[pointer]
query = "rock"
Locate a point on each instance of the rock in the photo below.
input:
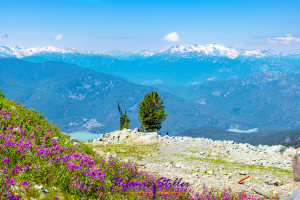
(136, 130)
(38, 187)
(275, 182)
(166, 137)
(41, 188)
(167, 164)
(56, 138)
(229, 176)
(124, 136)
(54, 188)
(72, 139)
(210, 172)
(261, 162)
(275, 149)
(45, 191)
(127, 136)
(191, 181)
(243, 173)
(178, 165)
(289, 152)
(147, 138)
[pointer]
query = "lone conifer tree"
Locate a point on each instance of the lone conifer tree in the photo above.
(151, 112)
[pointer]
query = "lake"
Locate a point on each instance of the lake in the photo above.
(84, 135)
(253, 130)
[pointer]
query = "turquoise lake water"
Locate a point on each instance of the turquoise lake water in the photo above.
(253, 130)
(84, 135)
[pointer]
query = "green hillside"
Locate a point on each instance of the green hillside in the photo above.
(38, 161)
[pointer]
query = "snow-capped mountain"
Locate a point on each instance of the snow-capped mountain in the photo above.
(193, 50)
(211, 50)
(21, 52)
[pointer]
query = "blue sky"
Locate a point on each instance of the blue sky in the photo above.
(131, 25)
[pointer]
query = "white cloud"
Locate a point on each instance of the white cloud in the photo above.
(58, 37)
(172, 37)
(283, 40)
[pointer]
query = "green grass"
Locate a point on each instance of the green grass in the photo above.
(124, 150)
(279, 172)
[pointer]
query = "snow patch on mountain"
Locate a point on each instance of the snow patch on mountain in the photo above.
(191, 50)
(76, 96)
(92, 123)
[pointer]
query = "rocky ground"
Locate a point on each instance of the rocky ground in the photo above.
(202, 161)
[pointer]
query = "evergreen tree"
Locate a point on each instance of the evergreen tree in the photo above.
(151, 112)
(121, 122)
(124, 120)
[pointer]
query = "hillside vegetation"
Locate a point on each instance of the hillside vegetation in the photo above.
(38, 161)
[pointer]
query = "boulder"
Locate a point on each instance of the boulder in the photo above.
(127, 136)
(147, 138)
(289, 152)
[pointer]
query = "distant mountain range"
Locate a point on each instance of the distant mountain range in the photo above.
(193, 50)
(82, 99)
(174, 66)
(178, 65)
(202, 86)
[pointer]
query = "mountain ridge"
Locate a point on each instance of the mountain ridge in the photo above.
(83, 98)
(191, 50)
